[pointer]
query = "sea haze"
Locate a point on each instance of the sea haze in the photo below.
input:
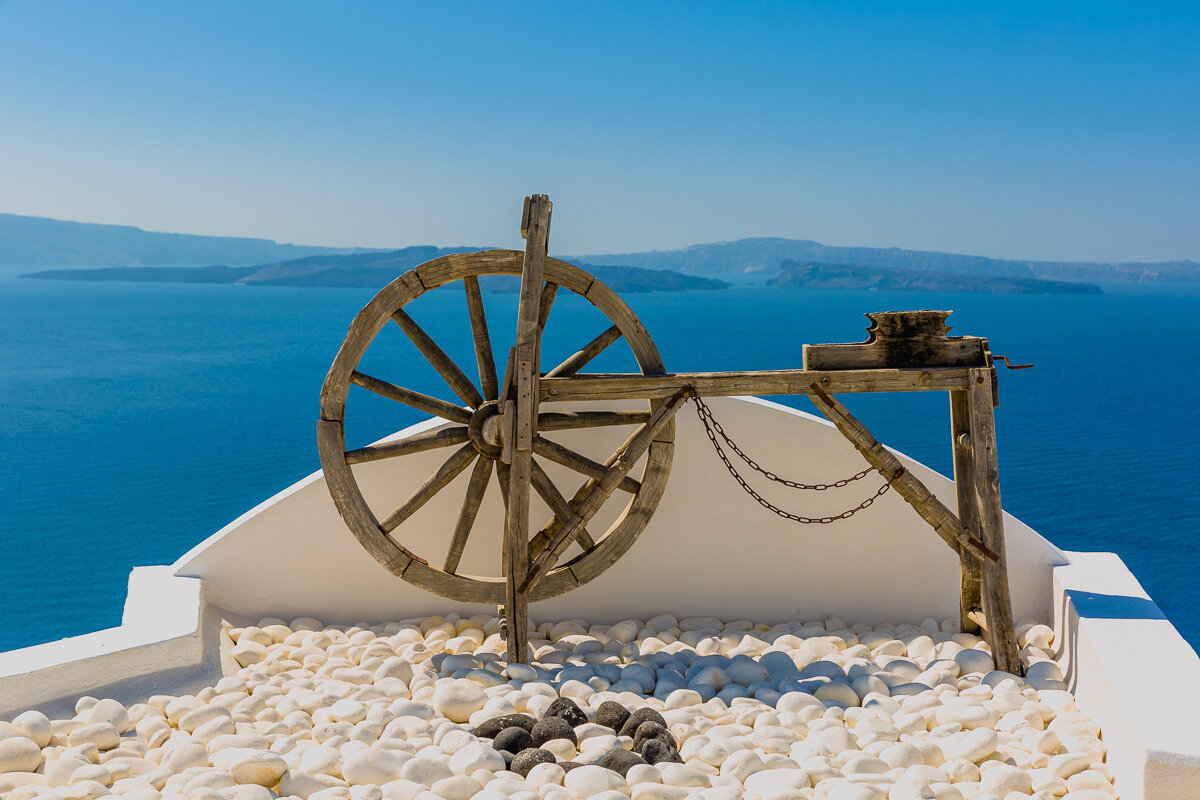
(139, 418)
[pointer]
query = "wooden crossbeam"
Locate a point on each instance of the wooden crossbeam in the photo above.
(635, 386)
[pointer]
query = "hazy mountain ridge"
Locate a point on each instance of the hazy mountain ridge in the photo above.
(216, 274)
(40, 240)
(850, 276)
(765, 254)
(371, 271)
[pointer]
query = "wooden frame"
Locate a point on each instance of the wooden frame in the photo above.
(501, 423)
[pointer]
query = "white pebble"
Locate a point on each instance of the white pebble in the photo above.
(590, 780)
(262, 768)
(458, 699)
(19, 754)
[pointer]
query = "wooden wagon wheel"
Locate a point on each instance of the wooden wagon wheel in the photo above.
(474, 436)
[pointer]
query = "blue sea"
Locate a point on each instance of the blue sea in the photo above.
(137, 419)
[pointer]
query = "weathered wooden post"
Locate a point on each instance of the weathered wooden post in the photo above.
(985, 474)
(523, 404)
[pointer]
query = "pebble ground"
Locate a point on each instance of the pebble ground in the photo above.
(726, 709)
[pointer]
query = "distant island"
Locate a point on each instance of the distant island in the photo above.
(811, 275)
(39, 240)
(369, 271)
(763, 256)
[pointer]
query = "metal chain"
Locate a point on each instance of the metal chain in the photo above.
(714, 429)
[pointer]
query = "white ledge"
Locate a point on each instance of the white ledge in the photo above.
(1131, 670)
(161, 633)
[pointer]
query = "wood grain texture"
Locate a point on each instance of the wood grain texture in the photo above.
(567, 457)
(535, 225)
(629, 386)
(445, 366)
(545, 303)
(459, 461)
(417, 443)
(599, 490)
(997, 603)
(467, 514)
(572, 420)
(589, 351)
(964, 351)
(484, 358)
(970, 570)
(331, 443)
(363, 329)
(912, 490)
(422, 402)
(558, 504)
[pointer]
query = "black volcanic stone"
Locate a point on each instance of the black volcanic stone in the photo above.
(638, 717)
(508, 758)
(566, 708)
(513, 739)
(620, 760)
(659, 750)
(612, 714)
(553, 728)
(489, 728)
(652, 730)
(569, 765)
(529, 758)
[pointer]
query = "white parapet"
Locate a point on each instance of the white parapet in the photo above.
(161, 640)
(1130, 670)
(709, 549)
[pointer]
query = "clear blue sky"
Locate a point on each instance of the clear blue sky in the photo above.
(1024, 131)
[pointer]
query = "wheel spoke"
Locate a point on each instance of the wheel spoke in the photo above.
(595, 492)
(549, 290)
(558, 504)
(417, 443)
(570, 420)
(470, 509)
(589, 351)
(509, 373)
(483, 342)
(580, 463)
(461, 459)
(502, 473)
(449, 371)
(430, 405)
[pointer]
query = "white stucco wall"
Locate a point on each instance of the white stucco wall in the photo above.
(1132, 672)
(708, 550)
(163, 636)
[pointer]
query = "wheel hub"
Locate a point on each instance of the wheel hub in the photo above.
(484, 429)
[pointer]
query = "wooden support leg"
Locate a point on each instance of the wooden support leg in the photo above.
(997, 604)
(516, 545)
(941, 519)
(970, 571)
(523, 400)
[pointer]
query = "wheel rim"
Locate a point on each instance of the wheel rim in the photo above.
(467, 429)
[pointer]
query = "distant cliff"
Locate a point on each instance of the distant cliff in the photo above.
(220, 274)
(369, 271)
(847, 276)
(764, 255)
(38, 240)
